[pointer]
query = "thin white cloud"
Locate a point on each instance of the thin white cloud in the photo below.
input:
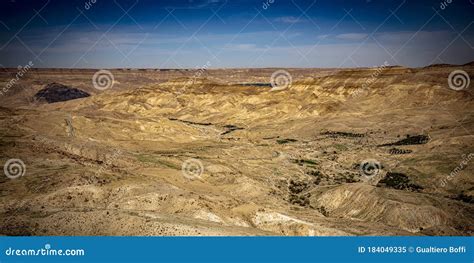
(154, 50)
(242, 47)
(352, 36)
(289, 19)
(198, 4)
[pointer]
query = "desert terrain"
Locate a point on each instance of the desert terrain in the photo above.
(366, 151)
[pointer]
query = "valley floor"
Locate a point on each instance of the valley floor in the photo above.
(154, 155)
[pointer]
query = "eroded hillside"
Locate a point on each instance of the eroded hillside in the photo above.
(287, 162)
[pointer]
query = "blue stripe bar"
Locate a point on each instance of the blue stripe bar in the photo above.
(237, 249)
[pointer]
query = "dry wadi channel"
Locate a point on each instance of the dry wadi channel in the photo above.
(218, 152)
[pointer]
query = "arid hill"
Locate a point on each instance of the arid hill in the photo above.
(338, 152)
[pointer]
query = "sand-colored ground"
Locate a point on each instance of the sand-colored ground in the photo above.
(273, 162)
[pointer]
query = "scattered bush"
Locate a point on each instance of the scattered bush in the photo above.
(410, 140)
(465, 198)
(399, 151)
(398, 181)
(284, 141)
(335, 134)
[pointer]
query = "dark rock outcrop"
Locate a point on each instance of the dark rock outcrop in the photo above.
(55, 92)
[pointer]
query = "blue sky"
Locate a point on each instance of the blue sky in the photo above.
(231, 34)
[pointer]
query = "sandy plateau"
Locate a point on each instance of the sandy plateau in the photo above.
(273, 162)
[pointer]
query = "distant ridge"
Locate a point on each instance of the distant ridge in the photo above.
(441, 65)
(469, 64)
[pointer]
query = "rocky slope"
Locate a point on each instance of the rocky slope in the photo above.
(266, 162)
